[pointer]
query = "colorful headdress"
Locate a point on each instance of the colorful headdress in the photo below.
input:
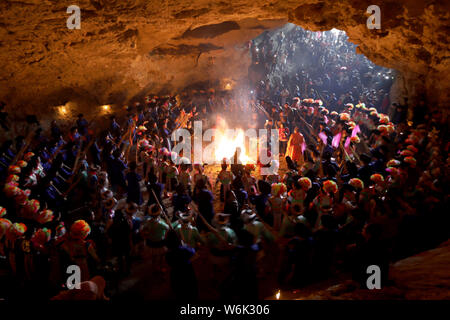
(16, 230)
(412, 148)
(355, 139)
(12, 184)
(319, 102)
(11, 190)
(356, 183)
(393, 171)
(351, 123)
(333, 113)
(349, 106)
(44, 216)
(382, 128)
(2, 212)
(278, 189)
(344, 116)
(22, 163)
(384, 119)
(60, 230)
(12, 178)
(406, 153)
(4, 226)
(80, 229)
(22, 197)
(393, 163)
(377, 178)
(411, 160)
(28, 156)
(41, 237)
(390, 128)
(330, 186)
(305, 183)
(32, 206)
(14, 169)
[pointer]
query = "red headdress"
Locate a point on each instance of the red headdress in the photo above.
(393, 163)
(305, 183)
(344, 116)
(377, 178)
(330, 186)
(28, 156)
(2, 212)
(14, 169)
(356, 183)
(410, 160)
(41, 237)
(15, 231)
(4, 226)
(80, 229)
(278, 189)
(44, 216)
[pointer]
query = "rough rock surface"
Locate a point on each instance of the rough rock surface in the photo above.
(424, 276)
(126, 48)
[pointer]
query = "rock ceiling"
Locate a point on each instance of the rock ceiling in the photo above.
(127, 48)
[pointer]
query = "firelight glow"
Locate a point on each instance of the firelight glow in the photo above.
(226, 143)
(63, 110)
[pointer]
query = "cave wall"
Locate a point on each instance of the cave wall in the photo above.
(127, 48)
(413, 39)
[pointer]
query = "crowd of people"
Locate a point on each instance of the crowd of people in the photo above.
(318, 65)
(352, 189)
(358, 190)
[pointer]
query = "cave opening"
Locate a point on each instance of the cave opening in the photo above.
(324, 65)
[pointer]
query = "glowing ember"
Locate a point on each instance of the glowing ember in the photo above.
(278, 295)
